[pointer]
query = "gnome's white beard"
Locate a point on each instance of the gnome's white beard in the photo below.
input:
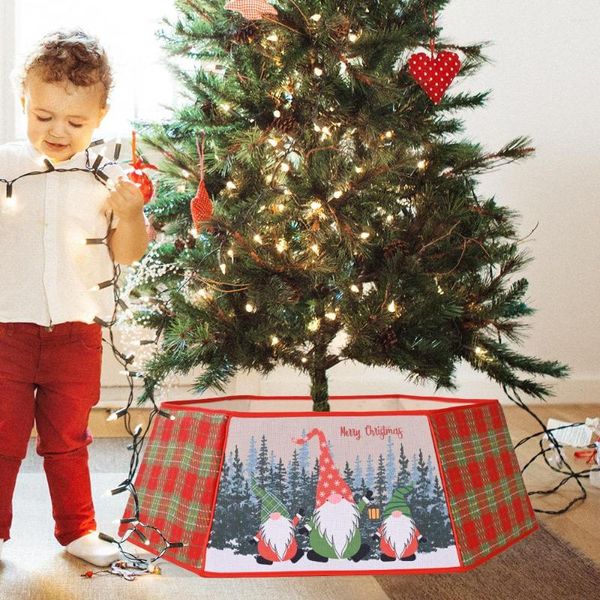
(337, 523)
(277, 534)
(399, 533)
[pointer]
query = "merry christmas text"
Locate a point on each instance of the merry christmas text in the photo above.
(380, 431)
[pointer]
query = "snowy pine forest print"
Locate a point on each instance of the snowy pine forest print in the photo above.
(330, 494)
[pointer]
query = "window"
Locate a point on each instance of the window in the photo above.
(143, 85)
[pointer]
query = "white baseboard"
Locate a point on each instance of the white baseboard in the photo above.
(569, 391)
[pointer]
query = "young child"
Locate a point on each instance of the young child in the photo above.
(50, 342)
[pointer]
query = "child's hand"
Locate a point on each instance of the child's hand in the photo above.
(126, 201)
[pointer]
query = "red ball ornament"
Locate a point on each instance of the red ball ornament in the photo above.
(434, 75)
(140, 178)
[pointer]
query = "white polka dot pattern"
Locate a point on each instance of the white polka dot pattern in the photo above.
(434, 75)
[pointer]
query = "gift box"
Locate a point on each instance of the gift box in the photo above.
(259, 486)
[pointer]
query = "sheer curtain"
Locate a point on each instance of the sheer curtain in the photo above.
(143, 88)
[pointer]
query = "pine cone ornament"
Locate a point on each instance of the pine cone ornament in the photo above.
(245, 34)
(285, 124)
(394, 247)
(179, 244)
(191, 241)
(389, 339)
(339, 26)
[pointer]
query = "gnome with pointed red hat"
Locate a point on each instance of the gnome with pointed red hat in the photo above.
(334, 526)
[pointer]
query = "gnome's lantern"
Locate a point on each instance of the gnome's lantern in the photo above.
(374, 513)
(254, 490)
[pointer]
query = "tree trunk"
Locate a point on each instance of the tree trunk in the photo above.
(318, 380)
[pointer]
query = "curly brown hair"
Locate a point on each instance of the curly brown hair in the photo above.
(69, 55)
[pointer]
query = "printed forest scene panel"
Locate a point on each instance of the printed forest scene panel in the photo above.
(343, 493)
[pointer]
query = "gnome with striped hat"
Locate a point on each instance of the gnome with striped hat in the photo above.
(276, 537)
(334, 526)
(398, 535)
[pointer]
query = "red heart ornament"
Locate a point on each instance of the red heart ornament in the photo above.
(434, 75)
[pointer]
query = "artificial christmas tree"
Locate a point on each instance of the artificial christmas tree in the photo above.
(346, 225)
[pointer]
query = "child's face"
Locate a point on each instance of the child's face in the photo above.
(61, 117)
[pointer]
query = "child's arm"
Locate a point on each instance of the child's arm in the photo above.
(128, 242)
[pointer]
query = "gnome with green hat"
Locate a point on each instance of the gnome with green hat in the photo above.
(398, 535)
(276, 537)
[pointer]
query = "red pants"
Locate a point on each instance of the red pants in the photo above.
(52, 377)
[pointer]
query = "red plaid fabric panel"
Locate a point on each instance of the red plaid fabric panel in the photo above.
(488, 500)
(176, 483)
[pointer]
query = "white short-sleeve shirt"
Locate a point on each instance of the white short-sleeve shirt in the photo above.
(46, 268)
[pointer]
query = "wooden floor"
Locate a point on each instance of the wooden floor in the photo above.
(579, 525)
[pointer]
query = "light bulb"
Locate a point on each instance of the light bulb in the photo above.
(316, 17)
(273, 37)
(230, 185)
(331, 315)
(364, 235)
(257, 239)
(421, 164)
(318, 72)
(250, 307)
(223, 268)
(281, 245)
(315, 248)
(352, 37)
(285, 167)
(274, 340)
(337, 194)
(273, 142)
(276, 114)
(314, 324)
(389, 134)
(225, 107)
(358, 169)
(392, 306)
(315, 205)
(354, 288)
